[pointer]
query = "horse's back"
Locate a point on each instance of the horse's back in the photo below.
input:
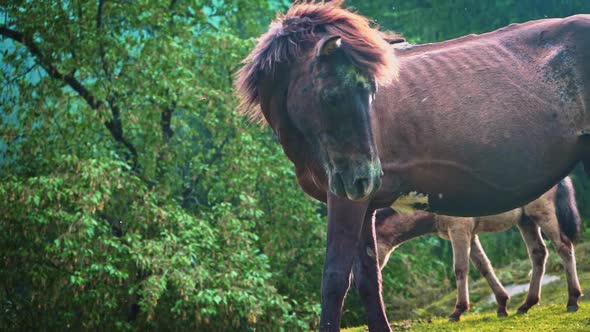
(470, 226)
(498, 222)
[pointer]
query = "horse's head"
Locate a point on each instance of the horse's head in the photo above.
(385, 234)
(332, 61)
(330, 102)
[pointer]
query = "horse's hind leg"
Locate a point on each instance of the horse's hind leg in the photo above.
(537, 251)
(461, 243)
(566, 251)
(482, 264)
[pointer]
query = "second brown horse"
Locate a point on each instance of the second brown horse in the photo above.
(554, 213)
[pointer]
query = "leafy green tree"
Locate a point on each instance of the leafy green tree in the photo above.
(132, 195)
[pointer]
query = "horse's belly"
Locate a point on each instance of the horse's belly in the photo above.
(456, 193)
(471, 177)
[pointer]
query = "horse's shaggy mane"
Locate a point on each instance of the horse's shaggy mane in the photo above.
(296, 32)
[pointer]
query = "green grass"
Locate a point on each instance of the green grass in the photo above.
(544, 318)
(549, 315)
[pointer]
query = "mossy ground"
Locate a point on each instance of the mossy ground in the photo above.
(549, 315)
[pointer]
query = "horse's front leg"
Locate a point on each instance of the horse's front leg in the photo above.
(367, 276)
(345, 221)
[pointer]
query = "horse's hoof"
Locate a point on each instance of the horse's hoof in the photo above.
(454, 318)
(502, 314)
(520, 312)
(572, 308)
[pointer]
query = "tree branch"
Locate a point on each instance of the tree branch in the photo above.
(99, 25)
(165, 116)
(165, 120)
(50, 68)
(114, 125)
(188, 192)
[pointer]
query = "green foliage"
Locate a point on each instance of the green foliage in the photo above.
(130, 187)
(426, 21)
(132, 194)
(582, 187)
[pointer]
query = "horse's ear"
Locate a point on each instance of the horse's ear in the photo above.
(327, 45)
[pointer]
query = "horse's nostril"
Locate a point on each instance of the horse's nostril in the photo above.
(361, 184)
(338, 182)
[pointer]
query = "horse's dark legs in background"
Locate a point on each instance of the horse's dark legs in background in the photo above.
(482, 263)
(345, 224)
(367, 276)
(538, 255)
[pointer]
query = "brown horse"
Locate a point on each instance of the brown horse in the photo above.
(479, 124)
(555, 213)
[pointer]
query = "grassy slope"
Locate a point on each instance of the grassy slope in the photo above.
(544, 318)
(549, 315)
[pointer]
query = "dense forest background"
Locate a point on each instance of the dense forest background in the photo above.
(132, 194)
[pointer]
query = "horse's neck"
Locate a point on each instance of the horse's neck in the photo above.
(273, 102)
(272, 91)
(408, 227)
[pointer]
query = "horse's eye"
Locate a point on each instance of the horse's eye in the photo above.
(331, 96)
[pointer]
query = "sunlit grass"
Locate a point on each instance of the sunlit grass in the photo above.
(549, 315)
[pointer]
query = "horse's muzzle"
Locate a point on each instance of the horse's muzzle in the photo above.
(356, 183)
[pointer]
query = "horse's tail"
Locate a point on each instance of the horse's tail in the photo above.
(566, 209)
